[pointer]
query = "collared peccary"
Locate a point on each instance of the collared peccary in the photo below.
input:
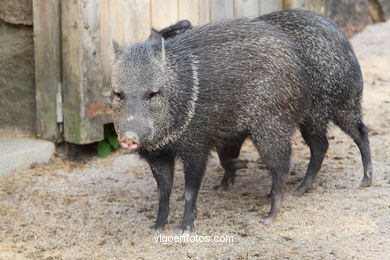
(180, 97)
(336, 88)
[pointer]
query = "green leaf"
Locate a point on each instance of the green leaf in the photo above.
(108, 131)
(103, 149)
(113, 141)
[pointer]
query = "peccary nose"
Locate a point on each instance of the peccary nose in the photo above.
(130, 141)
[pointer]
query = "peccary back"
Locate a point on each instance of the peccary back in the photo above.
(333, 69)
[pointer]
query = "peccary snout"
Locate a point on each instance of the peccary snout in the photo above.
(130, 141)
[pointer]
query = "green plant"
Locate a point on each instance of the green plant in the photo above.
(110, 141)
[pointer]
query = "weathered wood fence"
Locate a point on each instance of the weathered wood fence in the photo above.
(73, 54)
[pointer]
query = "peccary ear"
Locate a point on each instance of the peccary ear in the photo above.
(154, 34)
(116, 49)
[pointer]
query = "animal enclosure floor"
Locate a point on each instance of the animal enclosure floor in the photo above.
(103, 208)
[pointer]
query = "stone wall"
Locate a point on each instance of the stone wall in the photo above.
(16, 12)
(17, 83)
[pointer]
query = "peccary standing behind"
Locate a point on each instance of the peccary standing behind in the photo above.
(210, 84)
(335, 85)
(336, 88)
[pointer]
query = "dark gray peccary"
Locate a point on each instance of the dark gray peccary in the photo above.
(336, 88)
(180, 97)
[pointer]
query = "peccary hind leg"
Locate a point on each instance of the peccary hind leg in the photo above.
(228, 155)
(318, 143)
(194, 168)
(276, 154)
(162, 169)
(355, 128)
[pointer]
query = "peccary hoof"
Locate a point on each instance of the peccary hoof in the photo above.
(158, 229)
(366, 182)
(186, 230)
(269, 220)
(240, 164)
(224, 186)
(300, 191)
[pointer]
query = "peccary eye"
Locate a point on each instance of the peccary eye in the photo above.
(152, 95)
(119, 94)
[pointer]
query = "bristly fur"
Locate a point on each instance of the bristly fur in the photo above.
(225, 80)
(215, 85)
(336, 87)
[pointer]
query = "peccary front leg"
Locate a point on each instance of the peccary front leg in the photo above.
(275, 150)
(194, 168)
(162, 168)
(228, 155)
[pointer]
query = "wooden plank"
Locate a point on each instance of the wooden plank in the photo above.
(163, 13)
(220, 9)
(105, 50)
(47, 54)
(82, 77)
(189, 9)
(71, 70)
(246, 8)
(123, 21)
(133, 18)
(105, 42)
(289, 4)
(204, 11)
(136, 20)
(267, 6)
(318, 6)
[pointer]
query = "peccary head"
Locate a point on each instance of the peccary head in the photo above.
(145, 108)
(139, 104)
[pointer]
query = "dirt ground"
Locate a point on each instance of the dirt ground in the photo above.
(103, 208)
